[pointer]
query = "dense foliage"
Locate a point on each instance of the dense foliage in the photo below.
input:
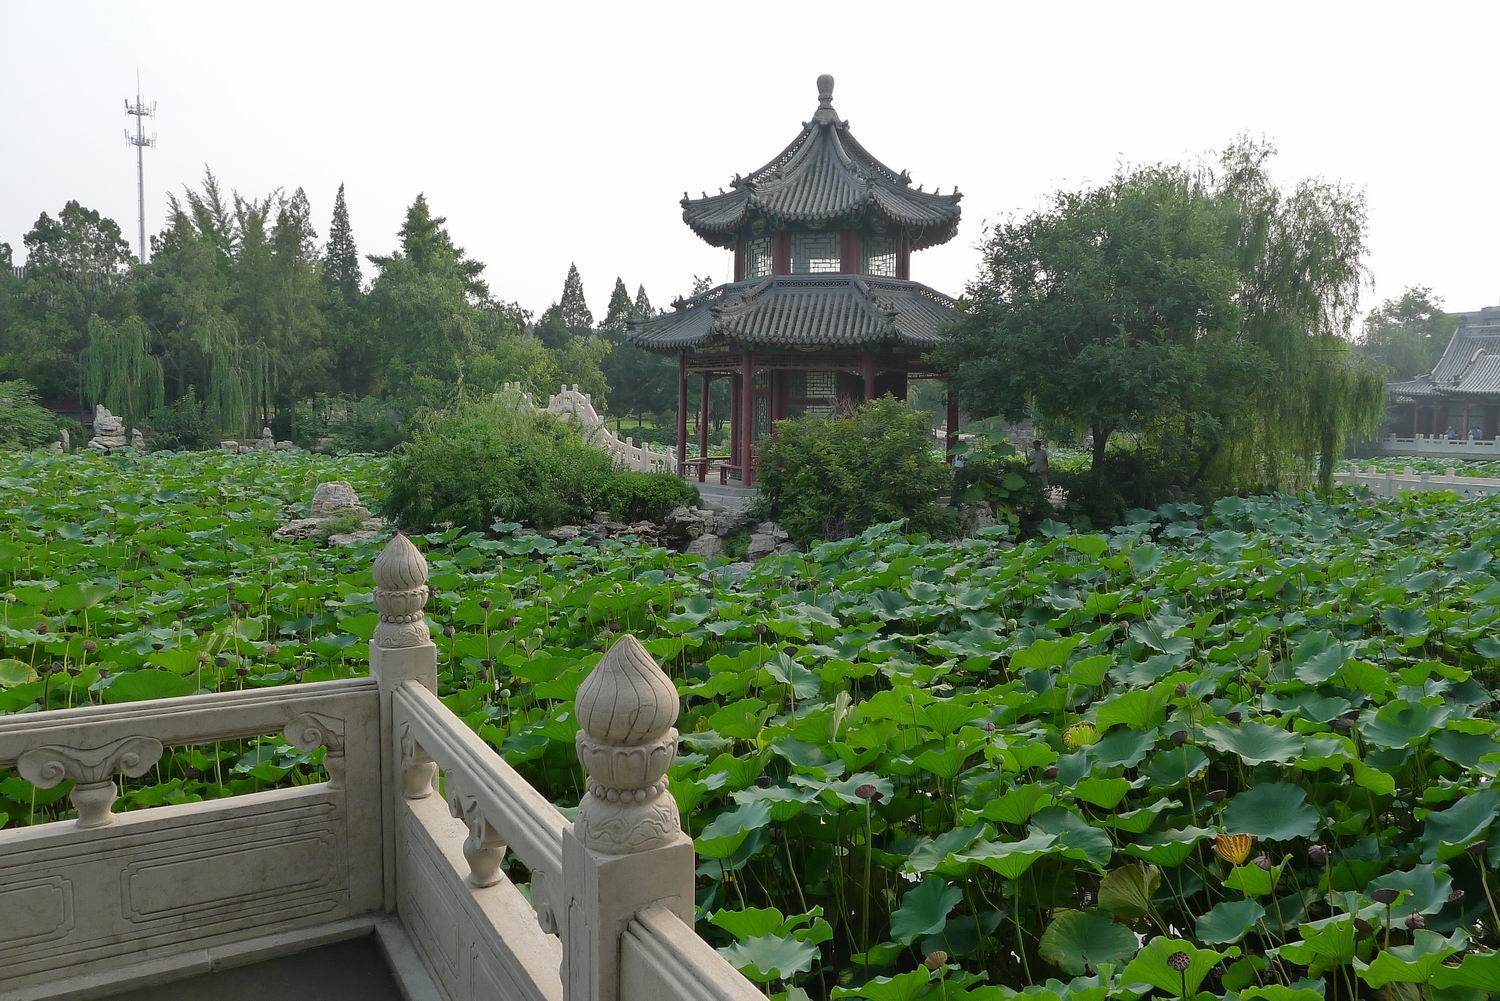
(495, 460)
(635, 496)
(1204, 311)
(828, 477)
(24, 423)
(240, 305)
(1406, 335)
(1260, 739)
(185, 424)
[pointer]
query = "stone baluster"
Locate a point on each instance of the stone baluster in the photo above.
(626, 849)
(484, 849)
(400, 651)
(92, 771)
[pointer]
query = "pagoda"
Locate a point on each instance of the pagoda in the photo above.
(822, 310)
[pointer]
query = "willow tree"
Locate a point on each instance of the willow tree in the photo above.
(119, 370)
(1202, 311)
(1300, 257)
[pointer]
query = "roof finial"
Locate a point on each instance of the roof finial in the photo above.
(825, 91)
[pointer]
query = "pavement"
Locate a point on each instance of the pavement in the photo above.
(344, 971)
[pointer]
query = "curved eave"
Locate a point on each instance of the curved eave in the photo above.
(825, 175)
(803, 311)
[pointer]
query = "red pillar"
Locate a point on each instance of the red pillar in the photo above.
(781, 254)
(682, 414)
(952, 436)
(734, 419)
(867, 369)
(703, 429)
(747, 414)
(849, 253)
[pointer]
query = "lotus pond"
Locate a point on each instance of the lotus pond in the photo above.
(1241, 753)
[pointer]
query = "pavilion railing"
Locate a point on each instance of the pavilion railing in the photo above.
(615, 885)
(107, 901)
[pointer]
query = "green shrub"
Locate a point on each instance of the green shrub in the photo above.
(369, 425)
(829, 477)
(487, 461)
(997, 474)
(184, 425)
(648, 496)
(24, 423)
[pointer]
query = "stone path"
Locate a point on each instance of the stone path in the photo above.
(345, 971)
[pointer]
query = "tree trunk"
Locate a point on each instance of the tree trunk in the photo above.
(1101, 439)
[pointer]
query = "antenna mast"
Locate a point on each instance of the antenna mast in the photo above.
(141, 110)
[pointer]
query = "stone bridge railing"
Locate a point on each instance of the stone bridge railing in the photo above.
(578, 406)
(1430, 445)
(406, 839)
(1388, 482)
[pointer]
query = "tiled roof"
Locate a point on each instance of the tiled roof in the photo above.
(1470, 365)
(1412, 388)
(803, 311)
(823, 176)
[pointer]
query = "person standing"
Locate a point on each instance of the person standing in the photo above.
(1036, 462)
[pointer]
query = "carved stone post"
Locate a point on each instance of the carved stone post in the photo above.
(626, 849)
(401, 651)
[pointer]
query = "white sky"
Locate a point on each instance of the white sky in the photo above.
(556, 132)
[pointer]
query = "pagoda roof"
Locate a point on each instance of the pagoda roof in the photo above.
(1470, 365)
(803, 311)
(824, 176)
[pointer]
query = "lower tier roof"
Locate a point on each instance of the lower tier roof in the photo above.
(804, 311)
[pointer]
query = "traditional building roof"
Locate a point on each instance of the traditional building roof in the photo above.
(824, 176)
(1470, 365)
(806, 311)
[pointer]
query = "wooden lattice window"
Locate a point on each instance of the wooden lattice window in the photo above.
(878, 255)
(815, 253)
(758, 257)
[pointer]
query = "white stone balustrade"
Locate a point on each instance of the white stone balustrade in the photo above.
(578, 406)
(1428, 445)
(114, 901)
(1388, 483)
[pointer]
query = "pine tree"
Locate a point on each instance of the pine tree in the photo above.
(426, 244)
(621, 311)
(573, 307)
(341, 273)
(643, 308)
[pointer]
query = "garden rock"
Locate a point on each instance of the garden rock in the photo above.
(109, 431)
(334, 498)
(767, 539)
(973, 517)
(683, 525)
(645, 531)
(333, 502)
(137, 439)
(565, 533)
(706, 545)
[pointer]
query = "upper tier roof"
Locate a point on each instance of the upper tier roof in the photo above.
(1470, 365)
(824, 176)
